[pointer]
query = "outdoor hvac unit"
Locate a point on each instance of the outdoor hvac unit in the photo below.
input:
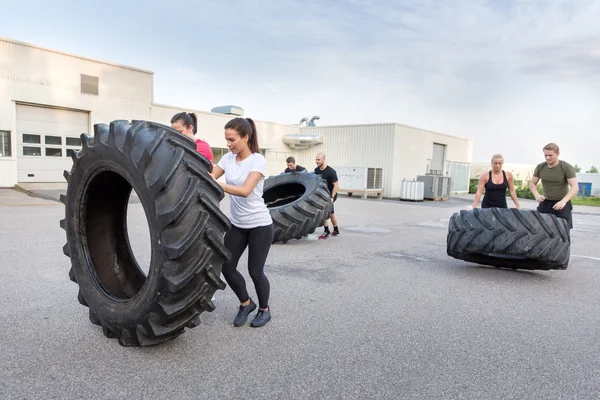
(412, 190)
(359, 178)
(437, 187)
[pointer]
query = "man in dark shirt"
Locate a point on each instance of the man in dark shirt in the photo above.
(292, 167)
(330, 176)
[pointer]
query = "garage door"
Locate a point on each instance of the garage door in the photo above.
(45, 139)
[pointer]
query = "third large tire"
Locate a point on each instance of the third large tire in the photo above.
(180, 201)
(298, 202)
(510, 238)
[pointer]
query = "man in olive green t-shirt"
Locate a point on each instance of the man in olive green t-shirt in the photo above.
(556, 177)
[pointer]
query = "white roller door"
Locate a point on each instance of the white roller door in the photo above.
(45, 138)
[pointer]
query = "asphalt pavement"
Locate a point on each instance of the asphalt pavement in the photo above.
(380, 312)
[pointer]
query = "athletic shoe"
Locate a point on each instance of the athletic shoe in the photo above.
(262, 317)
(324, 235)
(244, 311)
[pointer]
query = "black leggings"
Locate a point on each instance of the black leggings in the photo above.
(258, 240)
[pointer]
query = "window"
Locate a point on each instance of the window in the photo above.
(32, 139)
(218, 153)
(53, 152)
(53, 140)
(5, 148)
(32, 151)
(70, 153)
(73, 141)
(89, 84)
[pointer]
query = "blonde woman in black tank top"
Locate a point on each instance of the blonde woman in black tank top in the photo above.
(495, 184)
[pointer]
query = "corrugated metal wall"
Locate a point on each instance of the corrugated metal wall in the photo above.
(353, 146)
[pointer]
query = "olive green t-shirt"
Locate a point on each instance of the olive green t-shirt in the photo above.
(554, 180)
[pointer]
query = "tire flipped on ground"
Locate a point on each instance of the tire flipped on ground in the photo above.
(504, 237)
(180, 201)
(299, 203)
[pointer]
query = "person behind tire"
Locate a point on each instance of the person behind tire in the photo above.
(495, 183)
(187, 124)
(292, 167)
(556, 176)
(330, 175)
(245, 170)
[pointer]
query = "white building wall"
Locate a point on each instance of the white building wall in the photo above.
(354, 146)
(401, 151)
(413, 151)
(41, 76)
(8, 172)
(38, 76)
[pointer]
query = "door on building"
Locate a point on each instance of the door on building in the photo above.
(437, 159)
(45, 139)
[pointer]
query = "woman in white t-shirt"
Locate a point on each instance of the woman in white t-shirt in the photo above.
(245, 170)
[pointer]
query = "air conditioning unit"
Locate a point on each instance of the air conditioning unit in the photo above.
(412, 190)
(437, 187)
(359, 178)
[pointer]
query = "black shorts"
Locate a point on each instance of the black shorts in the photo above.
(545, 207)
(334, 199)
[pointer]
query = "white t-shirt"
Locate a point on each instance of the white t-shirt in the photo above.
(246, 212)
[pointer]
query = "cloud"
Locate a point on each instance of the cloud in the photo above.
(576, 58)
(514, 69)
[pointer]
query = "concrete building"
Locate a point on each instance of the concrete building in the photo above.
(399, 151)
(49, 97)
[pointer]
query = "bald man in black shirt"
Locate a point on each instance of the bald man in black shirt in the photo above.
(330, 176)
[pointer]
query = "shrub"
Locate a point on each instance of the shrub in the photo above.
(473, 185)
(523, 192)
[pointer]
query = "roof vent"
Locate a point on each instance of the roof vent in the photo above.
(301, 141)
(229, 110)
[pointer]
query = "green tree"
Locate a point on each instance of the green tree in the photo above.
(577, 168)
(593, 170)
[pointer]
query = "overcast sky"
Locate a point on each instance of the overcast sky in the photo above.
(510, 75)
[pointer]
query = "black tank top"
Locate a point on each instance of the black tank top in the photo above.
(495, 194)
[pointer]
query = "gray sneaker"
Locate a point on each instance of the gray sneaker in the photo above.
(244, 311)
(261, 319)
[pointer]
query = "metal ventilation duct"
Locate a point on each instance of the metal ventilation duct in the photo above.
(301, 140)
(229, 110)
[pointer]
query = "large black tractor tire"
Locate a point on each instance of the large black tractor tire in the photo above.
(180, 201)
(299, 203)
(510, 238)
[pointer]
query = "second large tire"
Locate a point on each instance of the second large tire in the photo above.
(298, 202)
(180, 201)
(510, 238)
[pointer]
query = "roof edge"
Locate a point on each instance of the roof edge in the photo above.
(64, 53)
(391, 124)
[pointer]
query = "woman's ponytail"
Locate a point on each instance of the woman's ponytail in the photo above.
(253, 137)
(194, 122)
